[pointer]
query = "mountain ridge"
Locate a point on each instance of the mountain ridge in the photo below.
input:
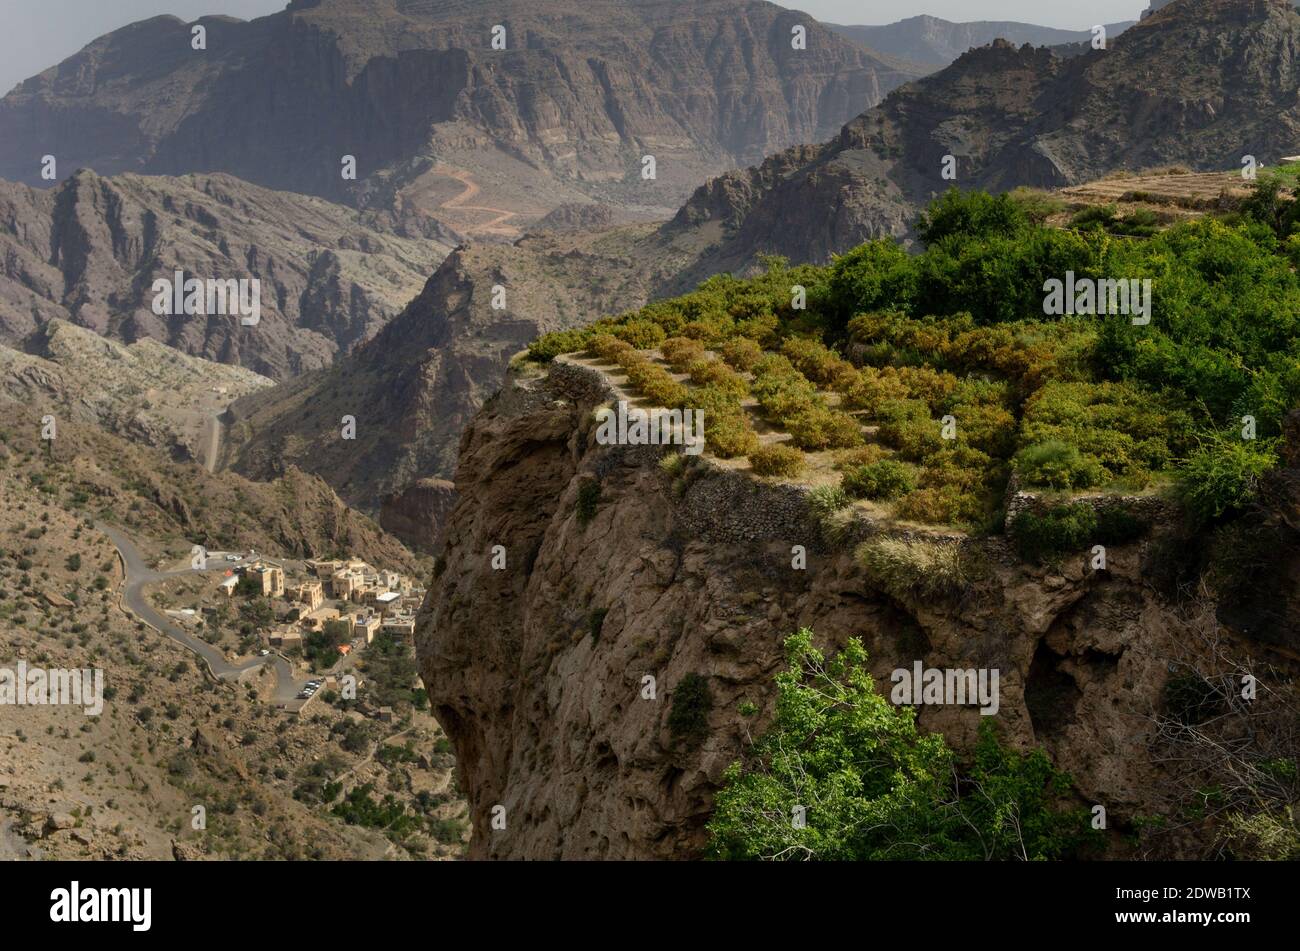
(545, 121)
(938, 42)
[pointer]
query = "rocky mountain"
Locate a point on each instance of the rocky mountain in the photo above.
(442, 123)
(155, 496)
(538, 670)
(1011, 116)
(937, 42)
(414, 388)
(1200, 83)
(147, 392)
(89, 250)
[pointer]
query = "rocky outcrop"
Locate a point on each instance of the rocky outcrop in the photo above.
(418, 514)
(536, 653)
(145, 391)
(579, 93)
(1189, 85)
(89, 250)
(414, 388)
(937, 42)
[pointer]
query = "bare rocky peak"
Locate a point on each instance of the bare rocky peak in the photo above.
(441, 124)
(147, 392)
(937, 42)
(1201, 83)
(89, 251)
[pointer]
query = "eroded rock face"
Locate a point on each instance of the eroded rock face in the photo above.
(578, 94)
(89, 251)
(536, 669)
(419, 512)
(1184, 87)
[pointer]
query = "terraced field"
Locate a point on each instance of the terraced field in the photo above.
(921, 384)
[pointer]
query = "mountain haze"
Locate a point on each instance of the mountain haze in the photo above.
(433, 113)
(936, 42)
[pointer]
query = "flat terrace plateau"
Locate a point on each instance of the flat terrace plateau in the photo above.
(1176, 195)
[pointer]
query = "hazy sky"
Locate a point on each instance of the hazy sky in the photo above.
(37, 34)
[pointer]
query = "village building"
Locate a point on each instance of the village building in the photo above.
(310, 593)
(270, 577)
(323, 568)
(315, 621)
(365, 626)
(285, 637)
(400, 625)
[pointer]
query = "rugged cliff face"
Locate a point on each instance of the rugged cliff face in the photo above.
(536, 661)
(89, 250)
(418, 514)
(417, 93)
(416, 385)
(1198, 84)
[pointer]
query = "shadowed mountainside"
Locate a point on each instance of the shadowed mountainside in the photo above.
(433, 112)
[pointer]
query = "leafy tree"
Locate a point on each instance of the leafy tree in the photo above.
(875, 788)
(971, 214)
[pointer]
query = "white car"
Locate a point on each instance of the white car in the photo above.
(263, 653)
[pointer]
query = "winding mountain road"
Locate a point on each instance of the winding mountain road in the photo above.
(139, 575)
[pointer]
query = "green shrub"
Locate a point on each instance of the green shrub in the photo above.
(641, 334)
(718, 374)
(971, 214)
(816, 361)
(776, 460)
(817, 428)
(608, 347)
(1095, 216)
(729, 436)
(549, 346)
(906, 426)
(742, 353)
(826, 500)
(657, 384)
(688, 718)
(886, 479)
(1057, 464)
(879, 789)
(873, 388)
(681, 352)
(942, 505)
(1056, 531)
(1222, 476)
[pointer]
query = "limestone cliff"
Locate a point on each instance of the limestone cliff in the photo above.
(536, 103)
(536, 665)
(89, 250)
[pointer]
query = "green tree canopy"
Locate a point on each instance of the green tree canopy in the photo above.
(873, 787)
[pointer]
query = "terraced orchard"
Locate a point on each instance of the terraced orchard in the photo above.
(921, 383)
